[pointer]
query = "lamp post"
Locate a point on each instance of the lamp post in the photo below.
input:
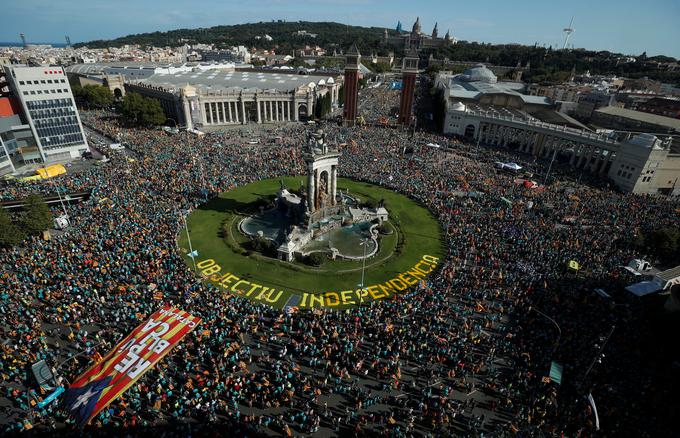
(557, 326)
(363, 243)
(547, 174)
(61, 201)
(191, 249)
(599, 353)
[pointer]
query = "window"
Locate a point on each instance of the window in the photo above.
(21, 83)
(42, 81)
(25, 93)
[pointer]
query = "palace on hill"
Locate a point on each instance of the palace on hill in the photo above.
(416, 39)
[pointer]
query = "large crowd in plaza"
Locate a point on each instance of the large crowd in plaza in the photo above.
(464, 354)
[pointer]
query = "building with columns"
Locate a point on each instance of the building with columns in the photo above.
(213, 99)
(416, 39)
(637, 163)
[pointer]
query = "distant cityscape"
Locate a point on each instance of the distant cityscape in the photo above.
(583, 119)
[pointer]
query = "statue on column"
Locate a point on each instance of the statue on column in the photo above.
(322, 194)
(316, 142)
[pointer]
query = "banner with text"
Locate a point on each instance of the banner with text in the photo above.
(105, 381)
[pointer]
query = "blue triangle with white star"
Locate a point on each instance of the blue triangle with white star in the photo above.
(81, 401)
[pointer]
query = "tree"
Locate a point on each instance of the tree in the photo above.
(98, 96)
(315, 259)
(432, 70)
(142, 111)
(666, 243)
(379, 67)
(323, 106)
(262, 245)
(93, 96)
(385, 228)
(10, 232)
(37, 215)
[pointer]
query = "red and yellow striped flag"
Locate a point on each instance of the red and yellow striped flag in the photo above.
(107, 379)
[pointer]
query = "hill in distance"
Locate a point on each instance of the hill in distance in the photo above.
(329, 35)
(547, 65)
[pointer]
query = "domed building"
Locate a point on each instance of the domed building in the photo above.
(479, 85)
(416, 39)
(479, 73)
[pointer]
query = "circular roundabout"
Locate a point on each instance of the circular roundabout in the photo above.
(246, 242)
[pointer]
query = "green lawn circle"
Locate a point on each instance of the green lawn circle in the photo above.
(405, 257)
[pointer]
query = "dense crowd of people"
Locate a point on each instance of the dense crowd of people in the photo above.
(467, 353)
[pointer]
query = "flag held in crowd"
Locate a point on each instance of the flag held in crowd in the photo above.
(106, 380)
(556, 372)
(574, 265)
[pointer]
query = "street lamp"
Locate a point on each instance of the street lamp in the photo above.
(599, 355)
(363, 243)
(559, 330)
(545, 181)
(191, 249)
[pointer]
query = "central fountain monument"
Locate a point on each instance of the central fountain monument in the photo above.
(318, 219)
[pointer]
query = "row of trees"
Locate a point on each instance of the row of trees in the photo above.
(142, 111)
(379, 67)
(93, 96)
(329, 35)
(547, 64)
(323, 106)
(663, 243)
(136, 109)
(34, 219)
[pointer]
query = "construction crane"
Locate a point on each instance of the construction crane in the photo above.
(23, 40)
(68, 41)
(567, 33)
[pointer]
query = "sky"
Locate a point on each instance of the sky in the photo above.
(626, 26)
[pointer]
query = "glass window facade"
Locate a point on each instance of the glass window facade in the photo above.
(55, 122)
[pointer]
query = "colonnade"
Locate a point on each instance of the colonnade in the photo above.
(583, 155)
(237, 111)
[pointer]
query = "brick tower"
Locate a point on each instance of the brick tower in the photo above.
(351, 85)
(409, 70)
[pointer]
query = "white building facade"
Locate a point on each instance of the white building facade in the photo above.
(49, 109)
(220, 99)
(637, 163)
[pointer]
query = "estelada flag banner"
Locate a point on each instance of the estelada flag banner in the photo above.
(105, 381)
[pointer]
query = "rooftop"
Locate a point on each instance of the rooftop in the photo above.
(99, 67)
(461, 89)
(213, 81)
(640, 116)
(669, 274)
